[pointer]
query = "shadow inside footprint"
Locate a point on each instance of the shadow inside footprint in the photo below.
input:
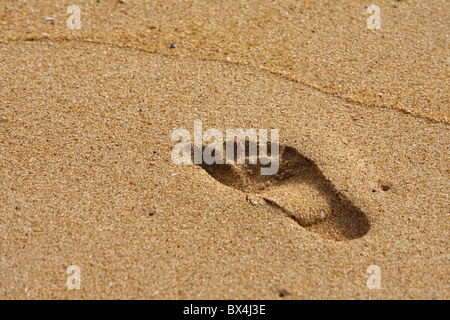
(299, 190)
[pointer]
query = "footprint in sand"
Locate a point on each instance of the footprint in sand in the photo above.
(299, 190)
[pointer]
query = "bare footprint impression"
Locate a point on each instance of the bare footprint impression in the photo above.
(299, 190)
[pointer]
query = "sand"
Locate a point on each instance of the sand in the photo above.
(87, 179)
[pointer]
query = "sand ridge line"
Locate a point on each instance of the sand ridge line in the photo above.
(239, 64)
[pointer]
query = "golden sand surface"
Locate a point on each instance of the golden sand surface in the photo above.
(87, 179)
